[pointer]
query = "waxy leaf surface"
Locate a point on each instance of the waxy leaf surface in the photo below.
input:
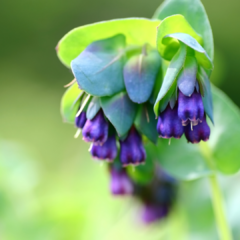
(140, 73)
(98, 69)
(138, 31)
(120, 111)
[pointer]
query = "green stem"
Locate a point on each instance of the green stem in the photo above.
(217, 201)
(217, 198)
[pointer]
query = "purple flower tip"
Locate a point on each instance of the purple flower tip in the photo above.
(96, 130)
(195, 134)
(132, 150)
(120, 183)
(154, 212)
(106, 151)
(190, 109)
(169, 124)
(81, 120)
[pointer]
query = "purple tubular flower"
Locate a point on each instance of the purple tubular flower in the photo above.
(132, 150)
(154, 212)
(190, 109)
(197, 133)
(169, 124)
(106, 151)
(81, 120)
(120, 183)
(96, 130)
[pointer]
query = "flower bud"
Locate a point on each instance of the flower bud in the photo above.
(81, 120)
(106, 151)
(132, 150)
(120, 184)
(96, 130)
(197, 133)
(169, 124)
(153, 212)
(190, 109)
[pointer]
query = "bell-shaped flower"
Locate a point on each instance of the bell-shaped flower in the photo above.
(195, 134)
(169, 124)
(120, 183)
(81, 120)
(132, 150)
(108, 150)
(96, 130)
(190, 108)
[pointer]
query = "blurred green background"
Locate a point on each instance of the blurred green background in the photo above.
(49, 186)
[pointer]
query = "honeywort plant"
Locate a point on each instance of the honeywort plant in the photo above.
(138, 83)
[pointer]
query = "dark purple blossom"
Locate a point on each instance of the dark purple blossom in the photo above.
(132, 150)
(195, 134)
(169, 124)
(120, 183)
(96, 130)
(106, 151)
(190, 108)
(81, 120)
(154, 212)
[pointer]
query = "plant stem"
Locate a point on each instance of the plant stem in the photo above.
(217, 201)
(217, 198)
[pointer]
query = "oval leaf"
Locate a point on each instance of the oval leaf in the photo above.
(225, 134)
(120, 111)
(140, 73)
(69, 106)
(98, 69)
(200, 53)
(173, 24)
(74, 42)
(172, 72)
(181, 160)
(196, 16)
(93, 108)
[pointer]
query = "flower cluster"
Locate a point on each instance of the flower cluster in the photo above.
(127, 93)
(156, 197)
(187, 116)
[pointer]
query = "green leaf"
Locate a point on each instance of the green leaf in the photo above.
(173, 24)
(140, 73)
(69, 106)
(146, 123)
(172, 72)
(138, 31)
(225, 134)
(120, 111)
(98, 69)
(93, 108)
(200, 53)
(187, 77)
(207, 93)
(182, 160)
(195, 14)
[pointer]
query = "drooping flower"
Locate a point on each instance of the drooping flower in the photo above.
(198, 133)
(154, 212)
(108, 150)
(81, 120)
(96, 130)
(190, 108)
(132, 150)
(120, 183)
(157, 196)
(169, 124)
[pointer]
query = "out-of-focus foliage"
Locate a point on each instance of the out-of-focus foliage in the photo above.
(52, 189)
